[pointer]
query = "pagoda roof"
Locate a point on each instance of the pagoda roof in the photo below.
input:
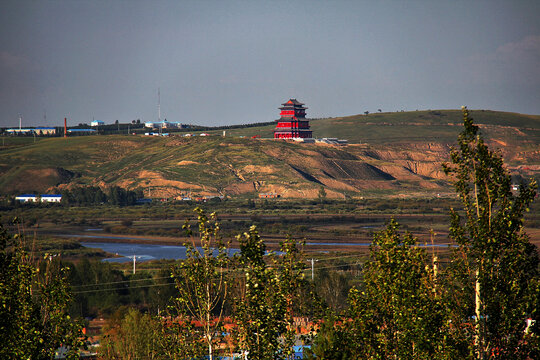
(293, 102)
(291, 107)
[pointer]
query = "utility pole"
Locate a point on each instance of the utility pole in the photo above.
(134, 261)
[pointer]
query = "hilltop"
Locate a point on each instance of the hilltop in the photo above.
(389, 154)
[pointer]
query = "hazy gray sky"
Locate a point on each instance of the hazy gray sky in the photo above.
(233, 62)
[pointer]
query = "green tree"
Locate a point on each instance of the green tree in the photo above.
(296, 291)
(332, 286)
(131, 336)
(267, 305)
(496, 267)
(399, 312)
(201, 281)
(322, 195)
(34, 302)
(89, 276)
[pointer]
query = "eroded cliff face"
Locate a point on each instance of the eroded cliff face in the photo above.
(412, 168)
(292, 171)
(300, 170)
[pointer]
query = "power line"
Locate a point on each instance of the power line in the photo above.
(226, 270)
(121, 288)
(122, 282)
(154, 285)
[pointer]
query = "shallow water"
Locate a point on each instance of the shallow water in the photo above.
(143, 252)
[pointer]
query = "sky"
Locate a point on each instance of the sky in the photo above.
(234, 62)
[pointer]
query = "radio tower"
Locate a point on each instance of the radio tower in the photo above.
(159, 111)
(158, 105)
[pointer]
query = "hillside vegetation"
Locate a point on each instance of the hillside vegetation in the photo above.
(389, 154)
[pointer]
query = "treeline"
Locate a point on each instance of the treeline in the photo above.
(100, 289)
(230, 127)
(91, 195)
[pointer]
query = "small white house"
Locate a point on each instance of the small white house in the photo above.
(51, 198)
(97, 123)
(26, 198)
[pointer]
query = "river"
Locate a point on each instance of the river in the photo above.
(143, 252)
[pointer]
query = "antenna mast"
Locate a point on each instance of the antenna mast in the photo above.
(159, 105)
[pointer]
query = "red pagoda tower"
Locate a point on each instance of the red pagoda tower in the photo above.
(293, 122)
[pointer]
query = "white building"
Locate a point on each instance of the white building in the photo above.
(97, 123)
(26, 198)
(20, 131)
(43, 198)
(51, 198)
(162, 124)
(41, 130)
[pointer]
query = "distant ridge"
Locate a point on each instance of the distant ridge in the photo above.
(390, 154)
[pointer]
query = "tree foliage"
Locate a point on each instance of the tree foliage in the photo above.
(496, 267)
(397, 314)
(265, 310)
(132, 336)
(34, 301)
(201, 283)
(88, 195)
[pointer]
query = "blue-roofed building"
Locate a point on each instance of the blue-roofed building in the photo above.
(40, 130)
(51, 198)
(97, 123)
(56, 198)
(19, 131)
(26, 198)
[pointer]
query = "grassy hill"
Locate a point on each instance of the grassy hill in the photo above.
(413, 126)
(389, 154)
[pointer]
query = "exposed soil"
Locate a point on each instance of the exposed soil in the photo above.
(187, 162)
(38, 180)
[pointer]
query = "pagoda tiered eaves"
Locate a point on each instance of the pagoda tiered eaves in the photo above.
(292, 122)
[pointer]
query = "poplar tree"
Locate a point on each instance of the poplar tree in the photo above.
(34, 302)
(202, 285)
(266, 308)
(495, 270)
(398, 313)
